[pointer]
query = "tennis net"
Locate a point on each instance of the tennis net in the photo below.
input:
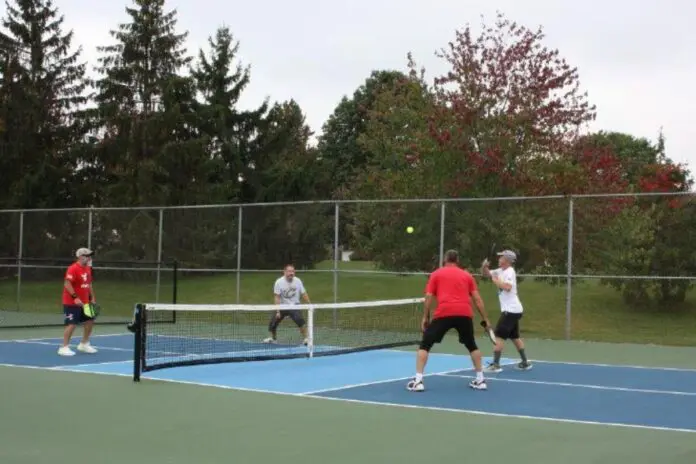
(209, 333)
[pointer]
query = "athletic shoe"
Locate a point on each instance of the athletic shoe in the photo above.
(415, 386)
(493, 368)
(65, 351)
(305, 342)
(131, 327)
(478, 384)
(524, 366)
(269, 340)
(86, 348)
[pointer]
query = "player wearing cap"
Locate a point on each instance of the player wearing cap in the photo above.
(508, 326)
(78, 291)
(453, 288)
(287, 290)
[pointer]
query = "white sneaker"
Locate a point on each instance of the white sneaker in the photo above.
(269, 340)
(305, 342)
(478, 384)
(415, 386)
(86, 348)
(65, 351)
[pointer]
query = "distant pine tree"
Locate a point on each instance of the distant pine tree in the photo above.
(42, 94)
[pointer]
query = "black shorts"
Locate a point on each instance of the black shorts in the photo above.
(294, 314)
(437, 329)
(508, 326)
(74, 314)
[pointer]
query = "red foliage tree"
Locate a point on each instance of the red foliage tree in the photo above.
(506, 102)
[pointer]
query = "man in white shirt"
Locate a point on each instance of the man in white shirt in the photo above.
(287, 291)
(508, 326)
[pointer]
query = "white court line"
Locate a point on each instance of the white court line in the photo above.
(570, 363)
(576, 385)
(374, 403)
(377, 382)
(495, 414)
(538, 361)
(45, 339)
(60, 368)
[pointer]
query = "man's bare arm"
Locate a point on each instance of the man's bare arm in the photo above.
(69, 287)
(480, 307)
(501, 285)
(485, 270)
(426, 310)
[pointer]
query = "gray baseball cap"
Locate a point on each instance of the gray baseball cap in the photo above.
(509, 255)
(84, 252)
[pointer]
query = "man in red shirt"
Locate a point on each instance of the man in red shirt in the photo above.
(78, 291)
(453, 288)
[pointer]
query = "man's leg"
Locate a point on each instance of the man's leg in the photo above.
(70, 319)
(87, 327)
(273, 327)
(297, 318)
(519, 344)
(465, 327)
(502, 332)
(433, 334)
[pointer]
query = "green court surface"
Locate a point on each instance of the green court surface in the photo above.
(59, 417)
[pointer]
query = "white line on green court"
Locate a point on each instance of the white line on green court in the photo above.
(576, 385)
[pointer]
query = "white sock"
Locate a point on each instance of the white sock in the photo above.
(479, 376)
(419, 377)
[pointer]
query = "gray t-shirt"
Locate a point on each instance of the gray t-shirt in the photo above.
(289, 292)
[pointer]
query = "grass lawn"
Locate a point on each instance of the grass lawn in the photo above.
(598, 312)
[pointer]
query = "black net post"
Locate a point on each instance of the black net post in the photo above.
(138, 342)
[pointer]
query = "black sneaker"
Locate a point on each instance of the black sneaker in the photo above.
(524, 366)
(131, 327)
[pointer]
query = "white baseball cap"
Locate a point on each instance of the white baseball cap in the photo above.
(84, 252)
(509, 255)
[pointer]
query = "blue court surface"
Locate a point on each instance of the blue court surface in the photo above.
(629, 396)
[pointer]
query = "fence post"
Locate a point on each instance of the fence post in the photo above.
(335, 260)
(569, 270)
(239, 252)
(20, 255)
(442, 233)
(159, 254)
(89, 229)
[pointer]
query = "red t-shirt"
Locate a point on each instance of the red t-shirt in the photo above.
(81, 279)
(452, 287)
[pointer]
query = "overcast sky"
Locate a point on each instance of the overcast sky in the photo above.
(636, 60)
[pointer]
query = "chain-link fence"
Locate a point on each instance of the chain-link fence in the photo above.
(580, 257)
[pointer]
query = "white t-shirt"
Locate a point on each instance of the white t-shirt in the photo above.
(289, 292)
(509, 301)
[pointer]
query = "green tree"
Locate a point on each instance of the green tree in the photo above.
(286, 169)
(42, 95)
(338, 143)
(228, 131)
(148, 151)
(139, 79)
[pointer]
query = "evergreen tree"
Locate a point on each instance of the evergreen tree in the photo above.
(229, 132)
(42, 92)
(143, 105)
(287, 169)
